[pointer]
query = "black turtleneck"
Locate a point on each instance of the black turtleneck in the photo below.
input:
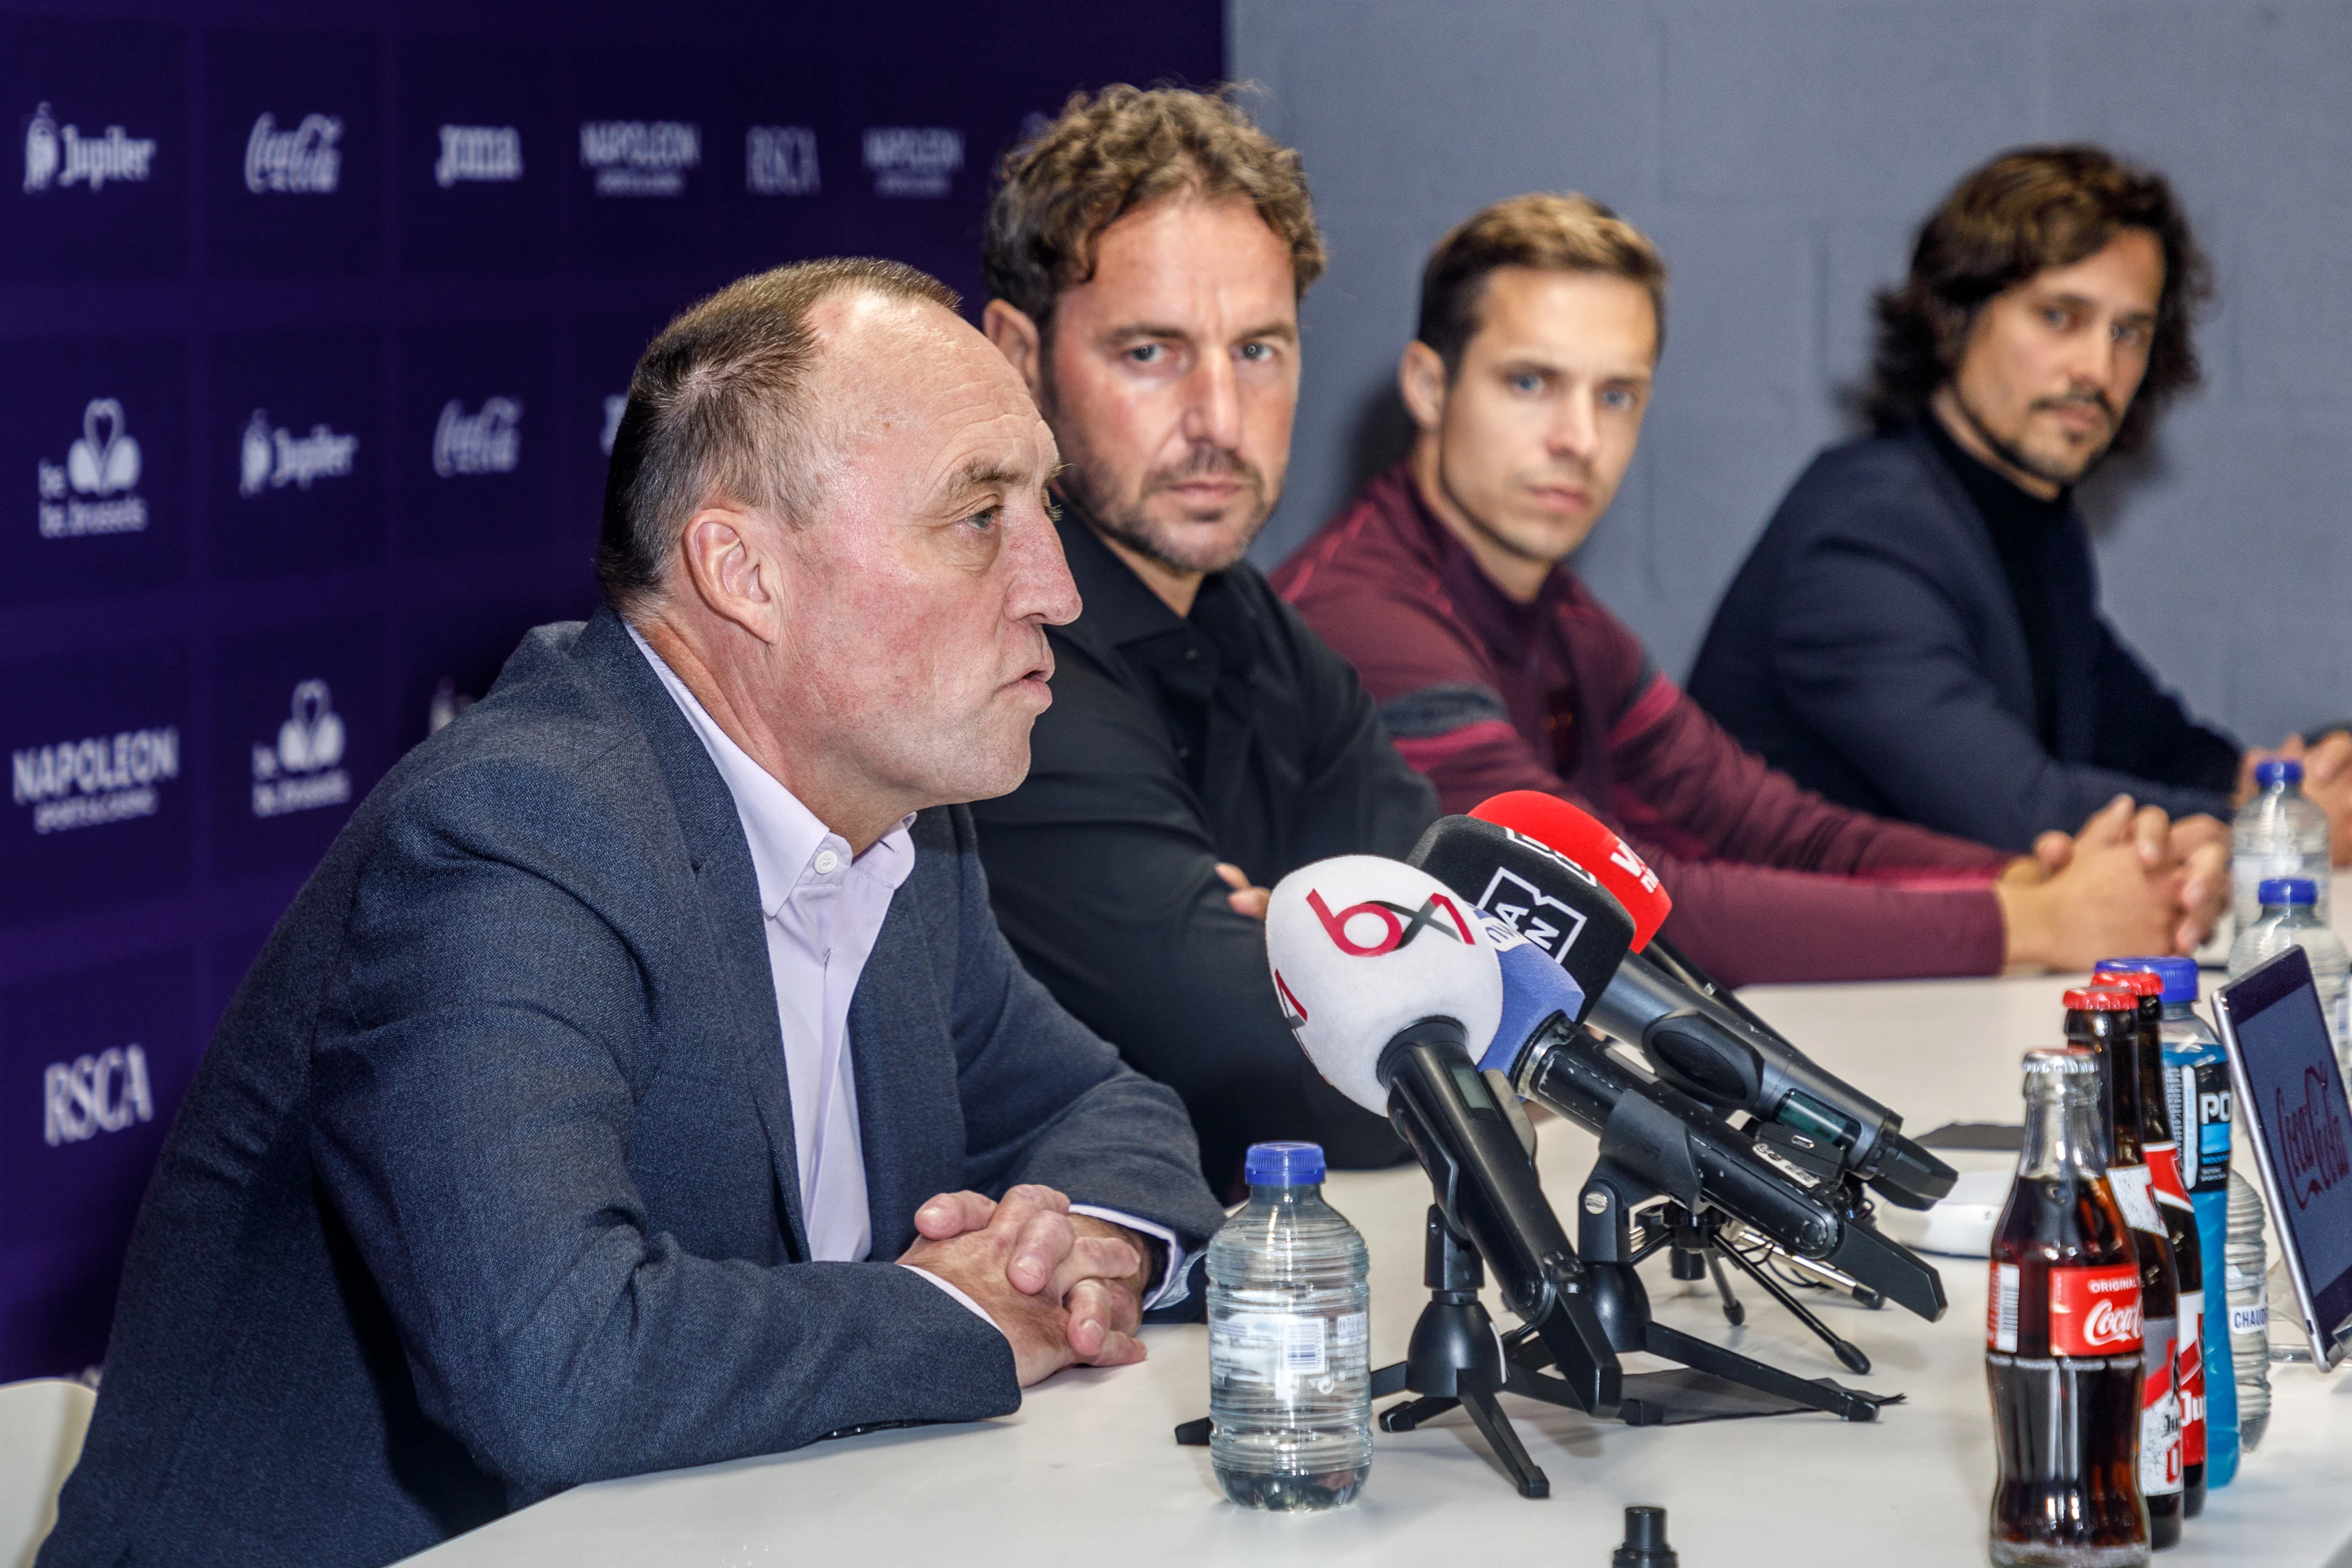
(2022, 526)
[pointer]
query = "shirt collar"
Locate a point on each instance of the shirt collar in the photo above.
(1121, 608)
(785, 836)
(1498, 617)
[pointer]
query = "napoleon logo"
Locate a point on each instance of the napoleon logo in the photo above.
(103, 1092)
(918, 161)
(478, 154)
(780, 161)
(59, 155)
(1394, 926)
(640, 157)
(91, 783)
(301, 772)
(95, 489)
(488, 442)
(301, 162)
(270, 458)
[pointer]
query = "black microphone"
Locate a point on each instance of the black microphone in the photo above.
(1690, 1040)
(1387, 977)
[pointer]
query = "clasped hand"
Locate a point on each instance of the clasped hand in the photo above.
(2133, 880)
(1065, 1288)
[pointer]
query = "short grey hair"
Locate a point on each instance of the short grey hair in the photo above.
(718, 407)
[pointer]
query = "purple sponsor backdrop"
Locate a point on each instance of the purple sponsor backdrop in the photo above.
(309, 323)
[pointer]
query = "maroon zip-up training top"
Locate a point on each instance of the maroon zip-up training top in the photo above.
(1770, 882)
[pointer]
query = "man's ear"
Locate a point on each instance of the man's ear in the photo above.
(728, 557)
(1016, 337)
(1421, 382)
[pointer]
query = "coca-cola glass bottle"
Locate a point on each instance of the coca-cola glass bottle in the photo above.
(2062, 1345)
(2104, 1020)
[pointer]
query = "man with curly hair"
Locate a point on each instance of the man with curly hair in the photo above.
(1917, 632)
(1145, 257)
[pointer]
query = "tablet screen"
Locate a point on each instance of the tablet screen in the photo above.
(2297, 1096)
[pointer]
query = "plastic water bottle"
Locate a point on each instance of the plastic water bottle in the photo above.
(2279, 833)
(1290, 1386)
(2198, 1102)
(2289, 918)
(2250, 1322)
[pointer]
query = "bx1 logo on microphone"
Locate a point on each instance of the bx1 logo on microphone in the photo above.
(1395, 925)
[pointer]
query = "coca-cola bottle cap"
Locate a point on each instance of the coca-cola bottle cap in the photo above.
(2101, 998)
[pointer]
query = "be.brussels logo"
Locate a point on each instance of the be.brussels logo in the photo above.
(1376, 926)
(913, 161)
(487, 441)
(96, 490)
(780, 161)
(2312, 1139)
(105, 1092)
(95, 781)
(300, 769)
(304, 159)
(478, 156)
(640, 157)
(58, 157)
(271, 457)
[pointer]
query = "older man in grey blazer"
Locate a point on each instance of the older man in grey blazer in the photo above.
(642, 1080)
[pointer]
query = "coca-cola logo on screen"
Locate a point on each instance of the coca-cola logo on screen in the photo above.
(301, 160)
(488, 441)
(2311, 1139)
(57, 156)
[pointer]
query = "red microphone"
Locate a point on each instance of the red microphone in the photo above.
(1579, 834)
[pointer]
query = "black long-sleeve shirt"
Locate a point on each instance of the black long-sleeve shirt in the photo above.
(1175, 742)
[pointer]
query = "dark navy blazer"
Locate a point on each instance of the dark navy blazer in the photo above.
(487, 1186)
(1871, 648)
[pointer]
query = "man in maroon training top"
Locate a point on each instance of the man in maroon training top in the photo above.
(1444, 583)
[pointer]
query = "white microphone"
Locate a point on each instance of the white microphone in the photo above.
(1362, 947)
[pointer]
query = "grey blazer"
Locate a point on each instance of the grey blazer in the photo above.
(487, 1186)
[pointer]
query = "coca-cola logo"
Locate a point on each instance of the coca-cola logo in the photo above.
(2312, 1140)
(2113, 1323)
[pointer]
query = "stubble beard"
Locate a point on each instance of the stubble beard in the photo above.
(2024, 462)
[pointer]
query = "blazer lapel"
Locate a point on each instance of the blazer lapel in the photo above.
(2005, 658)
(729, 889)
(2073, 590)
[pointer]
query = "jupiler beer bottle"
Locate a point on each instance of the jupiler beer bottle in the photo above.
(2063, 1353)
(2104, 1021)
(2163, 1152)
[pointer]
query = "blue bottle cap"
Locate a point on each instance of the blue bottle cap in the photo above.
(2277, 768)
(1284, 1164)
(2179, 975)
(2287, 891)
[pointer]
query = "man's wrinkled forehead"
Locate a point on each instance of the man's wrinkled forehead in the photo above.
(911, 384)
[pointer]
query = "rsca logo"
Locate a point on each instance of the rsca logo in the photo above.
(780, 161)
(59, 155)
(302, 771)
(640, 157)
(478, 154)
(913, 160)
(95, 489)
(269, 457)
(105, 1092)
(489, 442)
(615, 405)
(301, 162)
(91, 783)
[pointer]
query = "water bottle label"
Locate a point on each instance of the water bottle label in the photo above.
(1276, 1348)
(2254, 1320)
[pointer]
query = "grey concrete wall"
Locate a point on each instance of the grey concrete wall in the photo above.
(1782, 152)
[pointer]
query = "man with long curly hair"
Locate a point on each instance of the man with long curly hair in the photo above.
(1917, 633)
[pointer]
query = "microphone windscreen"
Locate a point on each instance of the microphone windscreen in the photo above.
(1581, 836)
(1363, 948)
(1534, 988)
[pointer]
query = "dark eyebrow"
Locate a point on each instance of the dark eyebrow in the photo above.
(1143, 330)
(985, 473)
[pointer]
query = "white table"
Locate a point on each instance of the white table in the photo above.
(1087, 1468)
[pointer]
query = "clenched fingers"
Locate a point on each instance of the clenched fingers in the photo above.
(1093, 1257)
(1103, 1320)
(1045, 1241)
(953, 1213)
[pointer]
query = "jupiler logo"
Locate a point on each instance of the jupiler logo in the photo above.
(489, 442)
(91, 783)
(478, 154)
(105, 1092)
(300, 162)
(780, 161)
(913, 160)
(95, 489)
(270, 458)
(640, 157)
(300, 773)
(60, 155)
